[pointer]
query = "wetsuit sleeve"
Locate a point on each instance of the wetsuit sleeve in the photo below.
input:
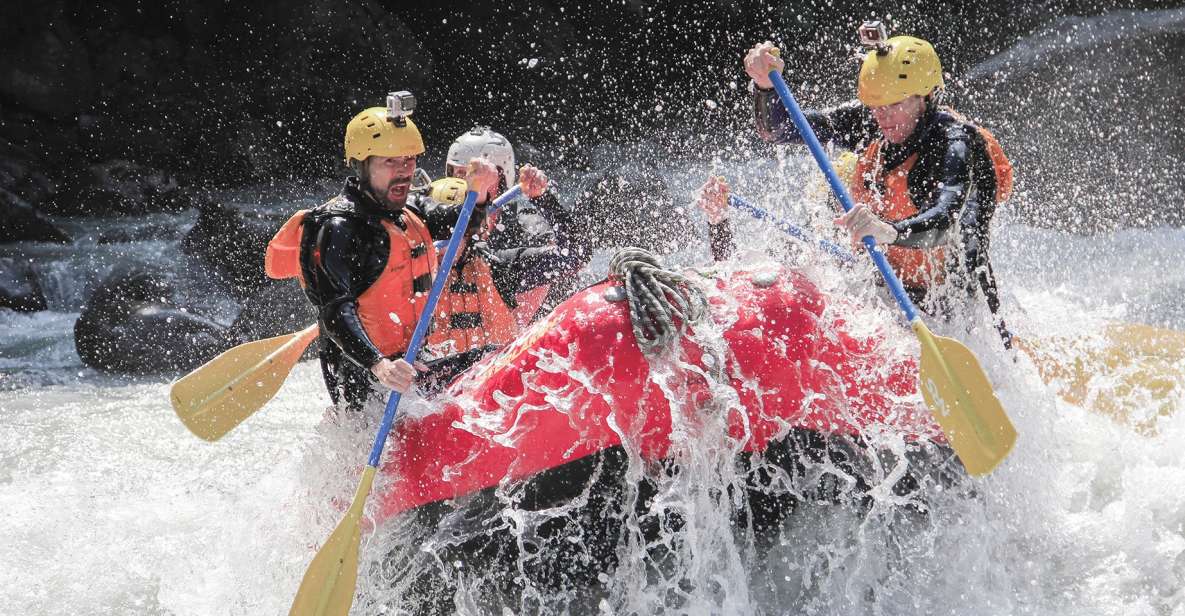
(575, 252)
(341, 258)
(540, 244)
(534, 222)
(720, 239)
(520, 269)
(930, 225)
(849, 125)
(973, 229)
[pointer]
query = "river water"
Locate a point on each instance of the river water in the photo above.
(111, 507)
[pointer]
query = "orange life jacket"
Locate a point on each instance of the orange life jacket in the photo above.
(391, 306)
(886, 192)
(471, 313)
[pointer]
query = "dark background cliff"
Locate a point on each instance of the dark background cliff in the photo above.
(126, 106)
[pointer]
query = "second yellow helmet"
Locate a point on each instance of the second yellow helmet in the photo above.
(907, 66)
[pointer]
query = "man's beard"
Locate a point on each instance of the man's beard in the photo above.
(395, 196)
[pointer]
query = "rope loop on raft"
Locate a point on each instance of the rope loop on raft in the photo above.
(656, 297)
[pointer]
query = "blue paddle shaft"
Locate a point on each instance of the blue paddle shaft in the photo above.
(841, 191)
(507, 197)
(417, 337)
(792, 230)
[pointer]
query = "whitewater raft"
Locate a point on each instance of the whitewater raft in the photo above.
(576, 387)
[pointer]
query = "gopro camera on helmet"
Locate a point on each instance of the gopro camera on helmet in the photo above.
(873, 35)
(400, 105)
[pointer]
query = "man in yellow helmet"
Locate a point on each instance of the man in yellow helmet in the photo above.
(927, 180)
(365, 261)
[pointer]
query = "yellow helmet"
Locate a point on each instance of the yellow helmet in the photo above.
(905, 67)
(373, 133)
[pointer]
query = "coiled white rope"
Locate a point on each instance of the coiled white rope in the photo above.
(662, 302)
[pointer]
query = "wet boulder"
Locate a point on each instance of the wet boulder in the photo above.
(148, 320)
(135, 323)
(232, 241)
(119, 187)
(19, 289)
(277, 308)
(138, 233)
(45, 66)
(24, 189)
(23, 223)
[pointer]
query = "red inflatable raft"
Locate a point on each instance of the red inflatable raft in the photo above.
(576, 384)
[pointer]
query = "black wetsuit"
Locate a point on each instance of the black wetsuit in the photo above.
(532, 243)
(353, 246)
(953, 180)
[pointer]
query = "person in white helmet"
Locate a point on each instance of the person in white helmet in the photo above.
(510, 258)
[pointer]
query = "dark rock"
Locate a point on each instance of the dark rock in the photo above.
(19, 289)
(120, 187)
(142, 320)
(226, 92)
(17, 127)
(277, 308)
(23, 223)
(232, 242)
(24, 190)
(43, 64)
(144, 233)
(323, 80)
(132, 324)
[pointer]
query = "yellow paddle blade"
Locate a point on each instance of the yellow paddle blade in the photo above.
(964, 403)
(328, 585)
(224, 391)
(1133, 373)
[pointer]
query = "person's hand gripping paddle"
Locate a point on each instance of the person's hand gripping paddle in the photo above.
(951, 380)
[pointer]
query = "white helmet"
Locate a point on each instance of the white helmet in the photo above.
(483, 142)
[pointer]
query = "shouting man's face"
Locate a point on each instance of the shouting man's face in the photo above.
(390, 178)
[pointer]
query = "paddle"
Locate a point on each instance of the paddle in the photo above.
(220, 394)
(951, 380)
(328, 584)
(792, 230)
(1131, 372)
